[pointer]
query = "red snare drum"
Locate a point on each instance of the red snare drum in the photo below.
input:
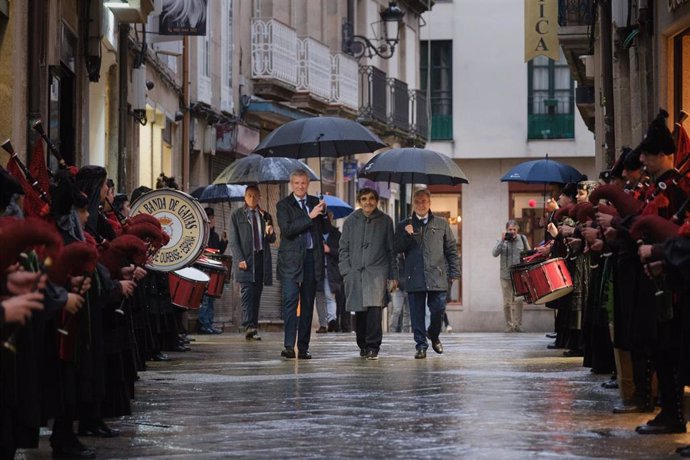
(225, 259)
(549, 281)
(187, 287)
(216, 272)
(518, 275)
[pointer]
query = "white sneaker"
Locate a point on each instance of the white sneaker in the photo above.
(449, 329)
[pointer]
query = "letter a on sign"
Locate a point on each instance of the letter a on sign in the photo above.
(541, 29)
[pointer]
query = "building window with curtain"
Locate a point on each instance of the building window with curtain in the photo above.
(550, 99)
(436, 66)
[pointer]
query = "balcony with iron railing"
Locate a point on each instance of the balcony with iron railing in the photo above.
(575, 13)
(419, 121)
(575, 25)
(551, 118)
(398, 105)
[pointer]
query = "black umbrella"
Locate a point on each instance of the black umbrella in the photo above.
(319, 137)
(219, 193)
(255, 169)
(413, 166)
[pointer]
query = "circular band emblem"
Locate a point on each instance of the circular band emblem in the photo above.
(185, 222)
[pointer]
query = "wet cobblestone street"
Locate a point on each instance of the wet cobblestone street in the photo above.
(489, 396)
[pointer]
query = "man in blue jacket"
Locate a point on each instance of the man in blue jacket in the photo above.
(431, 260)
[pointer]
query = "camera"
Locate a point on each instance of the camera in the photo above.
(509, 237)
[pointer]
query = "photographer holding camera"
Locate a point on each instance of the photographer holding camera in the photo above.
(509, 247)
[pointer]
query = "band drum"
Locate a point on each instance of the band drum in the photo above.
(518, 276)
(187, 287)
(548, 281)
(225, 259)
(183, 219)
(216, 272)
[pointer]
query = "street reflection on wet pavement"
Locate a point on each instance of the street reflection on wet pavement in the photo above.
(490, 395)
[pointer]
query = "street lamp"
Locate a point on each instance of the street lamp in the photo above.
(383, 47)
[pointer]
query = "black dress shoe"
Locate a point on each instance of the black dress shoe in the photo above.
(303, 355)
(288, 353)
(573, 353)
(660, 429)
(632, 409)
(332, 326)
(610, 384)
(160, 356)
(437, 346)
(362, 353)
(684, 451)
(551, 335)
(99, 429)
(74, 450)
(372, 355)
(420, 354)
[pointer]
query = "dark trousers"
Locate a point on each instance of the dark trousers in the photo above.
(369, 331)
(304, 293)
(250, 294)
(418, 302)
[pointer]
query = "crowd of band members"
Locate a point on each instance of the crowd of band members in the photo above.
(626, 242)
(92, 330)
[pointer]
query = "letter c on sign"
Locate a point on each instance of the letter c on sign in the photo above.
(542, 24)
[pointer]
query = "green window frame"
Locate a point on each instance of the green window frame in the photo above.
(550, 99)
(441, 93)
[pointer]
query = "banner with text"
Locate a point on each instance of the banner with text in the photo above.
(541, 29)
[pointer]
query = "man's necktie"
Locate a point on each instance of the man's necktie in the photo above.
(308, 239)
(255, 229)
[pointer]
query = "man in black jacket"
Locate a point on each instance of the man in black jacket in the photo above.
(300, 261)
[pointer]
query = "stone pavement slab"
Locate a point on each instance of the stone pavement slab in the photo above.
(489, 396)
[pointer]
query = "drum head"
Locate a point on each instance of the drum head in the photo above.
(210, 264)
(183, 219)
(193, 274)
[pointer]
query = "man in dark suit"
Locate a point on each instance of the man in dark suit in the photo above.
(300, 261)
(251, 234)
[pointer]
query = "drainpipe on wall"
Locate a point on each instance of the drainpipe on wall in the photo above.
(607, 74)
(123, 77)
(185, 109)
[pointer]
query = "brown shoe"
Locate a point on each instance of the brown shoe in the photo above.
(322, 330)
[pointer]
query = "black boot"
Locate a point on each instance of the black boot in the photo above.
(671, 419)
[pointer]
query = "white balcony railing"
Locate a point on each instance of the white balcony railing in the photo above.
(274, 51)
(305, 64)
(314, 68)
(345, 81)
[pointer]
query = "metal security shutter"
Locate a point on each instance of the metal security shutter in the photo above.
(271, 299)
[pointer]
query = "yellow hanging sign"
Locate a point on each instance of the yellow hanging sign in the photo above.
(541, 29)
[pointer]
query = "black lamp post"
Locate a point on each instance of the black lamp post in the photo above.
(383, 47)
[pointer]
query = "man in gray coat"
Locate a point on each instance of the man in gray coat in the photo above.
(251, 234)
(366, 258)
(431, 260)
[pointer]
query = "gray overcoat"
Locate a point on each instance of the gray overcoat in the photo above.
(366, 258)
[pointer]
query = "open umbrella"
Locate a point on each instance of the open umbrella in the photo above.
(319, 137)
(338, 207)
(255, 169)
(219, 193)
(413, 166)
(543, 171)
